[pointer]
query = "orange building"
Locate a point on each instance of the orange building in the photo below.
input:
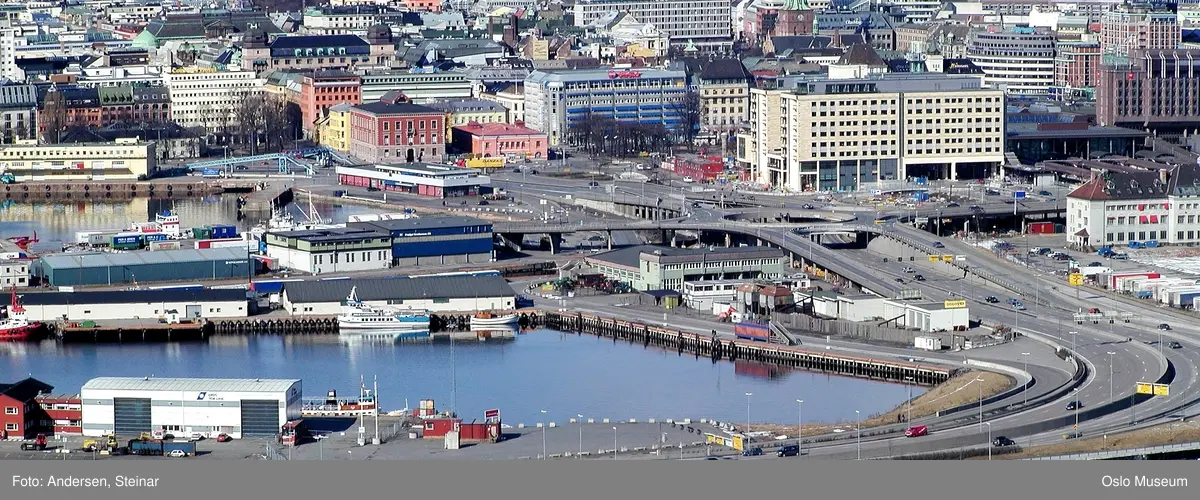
(500, 139)
(321, 90)
(426, 5)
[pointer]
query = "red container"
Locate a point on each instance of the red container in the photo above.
(208, 243)
(1041, 228)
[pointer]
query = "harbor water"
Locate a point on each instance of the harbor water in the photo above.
(564, 374)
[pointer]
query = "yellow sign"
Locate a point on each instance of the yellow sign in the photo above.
(738, 443)
(879, 221)
(486, 162)
(933, 258)
(947, 258)
(954, 304)
(1145, 388)
(1075, 279)
(1162, 390)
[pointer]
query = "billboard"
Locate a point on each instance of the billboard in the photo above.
(497, 162)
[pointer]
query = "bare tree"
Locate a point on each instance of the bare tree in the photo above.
(53, 117)
(251, 120)
(690, 111)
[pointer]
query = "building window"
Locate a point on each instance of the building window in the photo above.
(10, 410)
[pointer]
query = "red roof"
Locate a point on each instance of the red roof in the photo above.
(488, 129)
(1091, 190)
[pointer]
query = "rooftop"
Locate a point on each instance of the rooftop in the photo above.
(403, 108)
(426, 169)
(25, 390)
(632, 256)
(130, 297)
(399, 288)
(421, 223)
(189, 384)
(78, 260)
(333, 235)
(485, 129)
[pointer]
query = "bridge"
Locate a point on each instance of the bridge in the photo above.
(282, 160)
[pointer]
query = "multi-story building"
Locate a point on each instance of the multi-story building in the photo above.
(1119, 207)
(499, 140)
(555, 101)
(18, 113)
(67, 106)
(425, 5)
(14, 273)
(333, 128)
(22, 414)
(512, 97)
(1128, 28)
(1092, 9)
(321, 90)
(142, 75)
(647, 267)
(419, 87)
(1151, 90)
(125, 104)
(329, 20)
(1018, 60)
(319, 51)
(724, 87)
(841, 135)
(138, 14)
(1076, 64)
(396, 130)
(123, 159)
(208, 99)
(464, 112)
(704, 23)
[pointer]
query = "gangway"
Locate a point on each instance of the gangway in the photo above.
(283, 160)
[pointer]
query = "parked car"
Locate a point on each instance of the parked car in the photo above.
(223, 438)
(991, 299)
(1002, 441)
(1095, 264)
(1164, 326)
(176, 453)
(1094, 310)
(916, 431)
(789, 450)
(1074, 405)
(1044, 193)
(483, 202)
(991, 192)
(752, 452)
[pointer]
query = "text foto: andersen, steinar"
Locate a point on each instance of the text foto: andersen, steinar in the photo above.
(118, 481)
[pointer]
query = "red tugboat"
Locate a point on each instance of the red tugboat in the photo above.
(16, 327)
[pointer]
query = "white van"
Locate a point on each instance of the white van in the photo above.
(689, 179)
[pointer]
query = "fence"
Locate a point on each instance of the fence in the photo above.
(1111, 454)
(816, 327)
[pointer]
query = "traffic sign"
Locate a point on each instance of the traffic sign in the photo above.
(1145, 388)
(1075, 279)
(1154, 389)
(947, 258)
(1018, 195)
(1162, 390)
(954, 304)
(922, 220)
(934, 258)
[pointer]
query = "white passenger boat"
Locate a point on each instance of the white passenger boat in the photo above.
(359, 316)
(483, 320)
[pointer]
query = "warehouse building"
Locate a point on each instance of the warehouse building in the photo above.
(332, 250)
(947, 316)
(129, 406)
(134, 304)
(435, 240)
(455, 293)
(649, 267)
(425, 179)
(164, 265)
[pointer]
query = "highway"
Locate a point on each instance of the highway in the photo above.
(1134, 346)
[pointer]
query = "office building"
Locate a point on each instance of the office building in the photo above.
(839, 135)
(418, 87)
(207, 98)
(1128, 28)
(332, 250)
(648, 267)
(124, 159)
(703, 23)
(556, 101)
(317, 52)
(396, 130)
(1019, 61)
(1123, 207)
(321, 90)
(1152, 90)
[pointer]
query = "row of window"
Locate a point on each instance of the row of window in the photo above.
(351, 257)
(1141, 236)
(721, 263)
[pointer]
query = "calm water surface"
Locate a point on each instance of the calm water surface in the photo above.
(564, 374)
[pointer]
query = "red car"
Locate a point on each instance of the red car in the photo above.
(223, 438)
(916, 431)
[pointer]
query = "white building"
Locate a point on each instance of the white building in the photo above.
(555, 101)
(332, 250)
(704, 295)
(129, 406)
(917, 11)
(948, 316)
(134, 304)
(137, 76)
(1020, 61)
(14, 273)
(447, 293)
(420, 87)
(1126, 208)
(701, 22)
(203, 97)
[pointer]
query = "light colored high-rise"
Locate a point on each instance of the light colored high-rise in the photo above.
(1019, 60)
(207, 98)
(845, 135)
(701, 22)
(556, 101)
(919, 11)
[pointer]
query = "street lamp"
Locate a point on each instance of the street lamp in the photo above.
(980, 382)
(799, 427)
(989, 441)
(580, 435)
(1025, 359)
(748, 394)
(909, 381)
(858, 427)
(1074, 341)
(1110, 375)
(614, 442)
(545, 426)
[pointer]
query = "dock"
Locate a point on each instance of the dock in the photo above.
(130, 332)
(268, 196)
(174, 188)
(717, 348)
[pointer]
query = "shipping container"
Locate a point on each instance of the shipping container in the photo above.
(152, 237)
(208, 243)
(163, 245)
(223, 231)
(1041, 228)
(928, 343)
(158, 447)
(1172, 296)
(201, 233)
(126, 241)
(1114, 280)
(750, 330)
(1186, 299)
(250, 246)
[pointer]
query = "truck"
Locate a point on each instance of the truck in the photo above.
(126, 241)
(38, 444)
(159, 447)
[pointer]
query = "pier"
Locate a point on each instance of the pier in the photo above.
(268, 197)
(716, 348)
(164, 189)
(123, 332)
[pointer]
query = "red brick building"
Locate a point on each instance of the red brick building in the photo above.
(500, 140)
(22, 415)
(63, 413)
(395, 130)
(321, 90)
(1076, 64)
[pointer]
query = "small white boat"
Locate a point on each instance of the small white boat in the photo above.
(482, 320)
(359, 316)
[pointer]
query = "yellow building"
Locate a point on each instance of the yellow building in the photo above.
(472, 110)
(120, 160)
(333, 129)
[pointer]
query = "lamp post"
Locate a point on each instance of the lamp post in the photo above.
(989, 441)
(1110, 375)
(1025, 360)
(748, 394)
(908, 415)
(980, 382)
(614, 442)
(1074, 341)
(858, 428)
(545, 426)
(580, 435)
(799, 427)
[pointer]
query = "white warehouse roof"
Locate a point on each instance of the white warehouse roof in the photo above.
(189, 384)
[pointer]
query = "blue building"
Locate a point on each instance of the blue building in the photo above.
(557, 101)
(435, 240)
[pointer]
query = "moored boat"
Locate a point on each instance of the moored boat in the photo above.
(484, 319)
(359, 316)
(16, 326)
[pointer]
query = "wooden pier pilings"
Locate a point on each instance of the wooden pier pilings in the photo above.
(717, 348)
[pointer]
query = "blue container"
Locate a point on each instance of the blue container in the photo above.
(223, 231)
(155, 237)
(127, 241)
